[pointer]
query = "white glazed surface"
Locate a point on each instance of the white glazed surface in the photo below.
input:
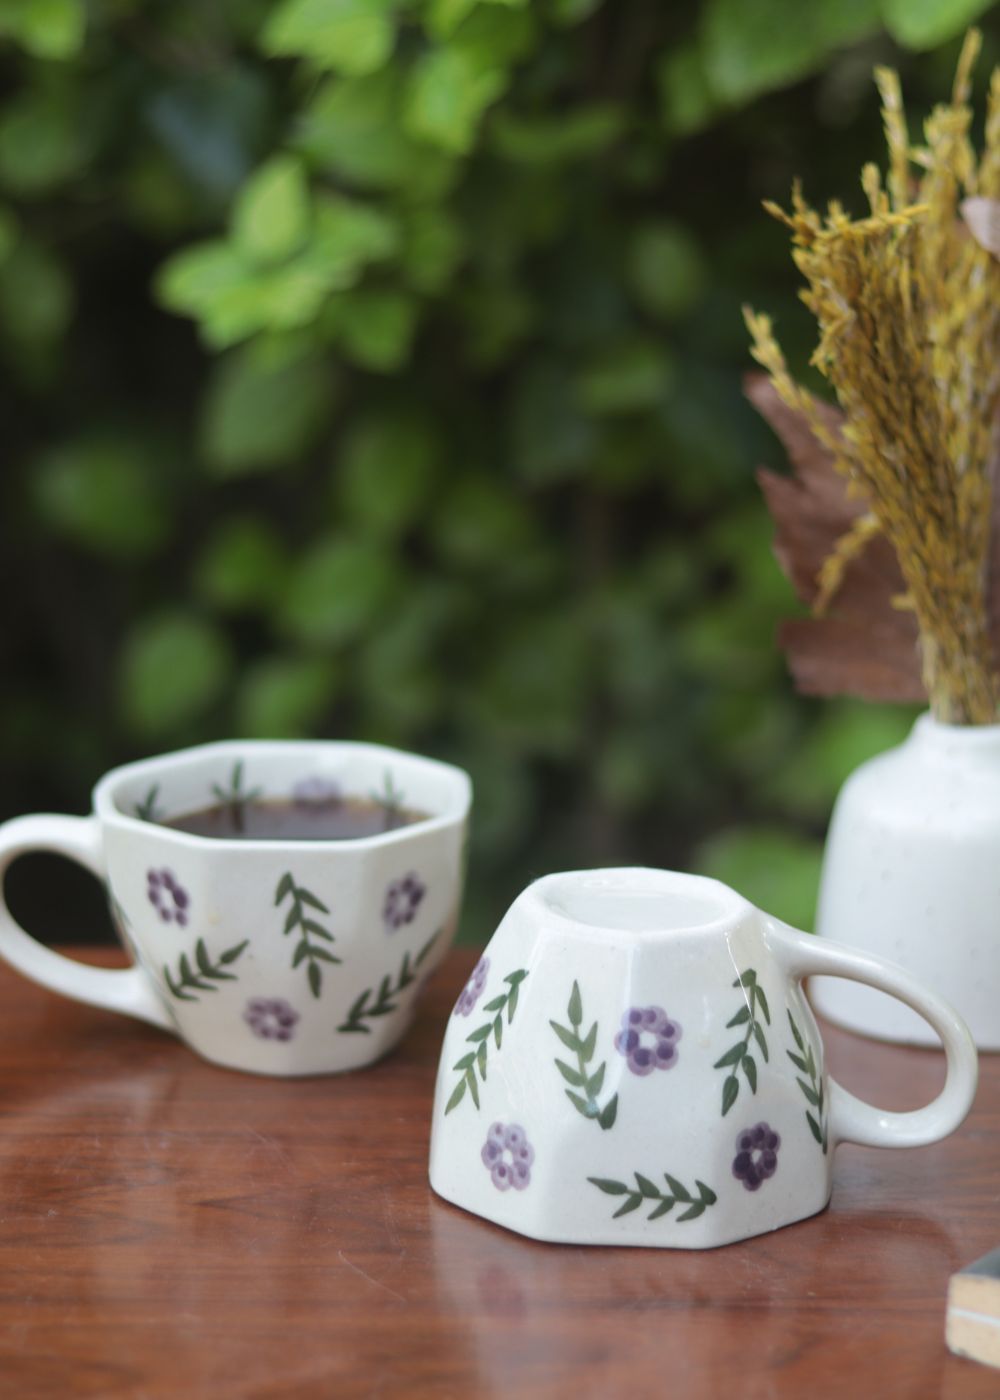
(911, 872)
(266, 1012)
(679, 944)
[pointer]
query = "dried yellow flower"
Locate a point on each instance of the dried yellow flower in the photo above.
(908, 310)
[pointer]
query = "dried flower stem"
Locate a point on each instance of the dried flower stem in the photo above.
(908, 309)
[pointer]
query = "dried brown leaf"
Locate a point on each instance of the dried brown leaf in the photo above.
(866, 646)
(841, 656)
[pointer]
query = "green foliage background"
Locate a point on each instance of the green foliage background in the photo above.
(372, 368)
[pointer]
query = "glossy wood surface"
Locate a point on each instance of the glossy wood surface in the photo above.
(172, 1229)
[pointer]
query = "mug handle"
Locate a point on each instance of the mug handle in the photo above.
(128, 990)
(852, 1120)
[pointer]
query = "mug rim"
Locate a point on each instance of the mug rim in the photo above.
(455, 811)
(729, 905)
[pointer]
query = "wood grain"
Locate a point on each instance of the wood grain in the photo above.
(168, 1228)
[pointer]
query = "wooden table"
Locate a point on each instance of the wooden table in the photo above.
(172, 1229)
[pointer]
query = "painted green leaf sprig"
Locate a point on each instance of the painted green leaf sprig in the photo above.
(584, 1087)
(185, 983)
(805, 1061)
(474, 1061)
(371, 1004)
(739, 1057)
(664, 1201)
(148, 809)
(314, 954)
(390, 798)
(236, 797)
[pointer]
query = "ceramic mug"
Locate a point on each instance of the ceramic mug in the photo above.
(275, 956)
(634, 1062)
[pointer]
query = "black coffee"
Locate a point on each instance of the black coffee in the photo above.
(262, 819)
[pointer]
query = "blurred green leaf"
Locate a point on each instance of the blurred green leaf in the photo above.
(352, 127)
(174, 666)
(233, 297)
(551, 140)
(449, 91)
(46, 28)
(498, 316)
(349, 36)
(625, 777)
(285, 697)
(386, 470)
(846, 734)
(258, 414)
(529, 691)
(101, 493)
(752, 48)
(243, 564)
(336, 591)
(626, 378)
(432, 248)
(36, 294)
(479, 524)
(43, 140)
(271, 218)
(775, 869)
(666, 269)
(922, 24)
(496, 33)
(570, 12)
(402, 678)
(686, 97)
(350, 235)
(442, 17)
(551, 436)
(9, 229)
(377, 327)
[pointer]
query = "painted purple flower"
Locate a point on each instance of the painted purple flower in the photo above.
(648, 1039)
(402, 900)
(507, 1155)
(270, 1018)
(756, 1155)
(168, 897)
(473, 989)
(317, 792)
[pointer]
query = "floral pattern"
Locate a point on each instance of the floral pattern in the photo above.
(473, 989)
(168, 896)
(315, 792)
(756, 1157)
(507, 1155)
(648, 1039)
(403, 898)
(270, 1018)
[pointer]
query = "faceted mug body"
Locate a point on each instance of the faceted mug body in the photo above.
(633, 1061)
(275, 956)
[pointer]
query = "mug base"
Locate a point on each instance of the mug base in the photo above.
(714, 1236)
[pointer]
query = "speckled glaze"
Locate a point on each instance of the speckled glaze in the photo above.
(278, 957)
(634, 1062)
(911, 872)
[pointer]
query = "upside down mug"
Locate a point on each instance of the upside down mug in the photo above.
(634, 1062)
(275, 956)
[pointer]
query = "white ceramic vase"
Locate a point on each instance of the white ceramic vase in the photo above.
(912, 873)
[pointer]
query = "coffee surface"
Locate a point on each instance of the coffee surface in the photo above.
(347, 819)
